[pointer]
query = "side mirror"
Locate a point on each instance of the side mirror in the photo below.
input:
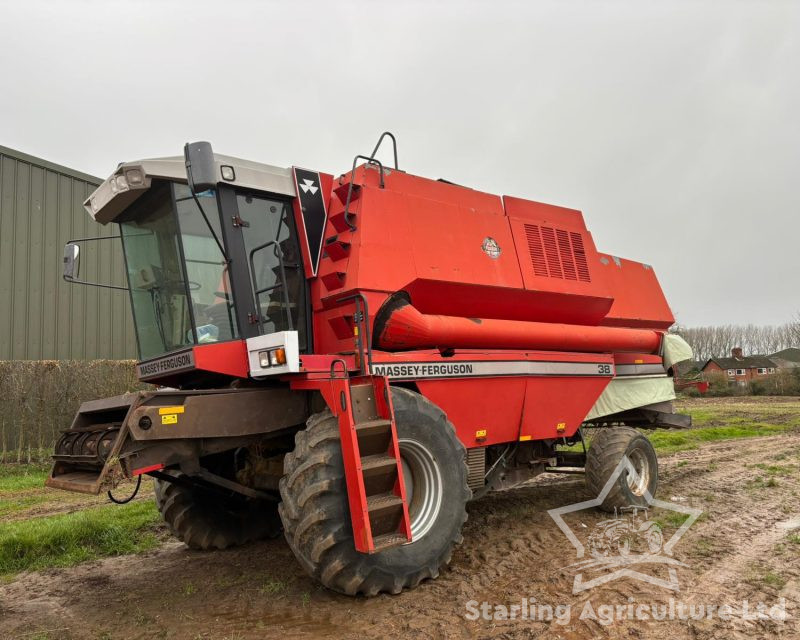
(72, 261)
(201, 170)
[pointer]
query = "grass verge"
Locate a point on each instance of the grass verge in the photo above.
(668, 441)
(14, 504)
(67, 539)
(18, 477)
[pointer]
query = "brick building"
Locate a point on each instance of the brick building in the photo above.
(741, 369)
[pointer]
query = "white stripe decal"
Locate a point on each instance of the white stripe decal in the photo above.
(639, 369)
(490, 369)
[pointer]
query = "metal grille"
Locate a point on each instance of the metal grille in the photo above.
(536, 250)
(580, 257)
(476, 462)
(556, 253)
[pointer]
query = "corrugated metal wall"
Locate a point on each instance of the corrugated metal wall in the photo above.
(41, 316)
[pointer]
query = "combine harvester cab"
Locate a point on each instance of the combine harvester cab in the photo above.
(352, 359)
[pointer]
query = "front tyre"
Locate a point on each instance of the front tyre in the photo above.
(628, 490)
(204, 520)
(316, 515)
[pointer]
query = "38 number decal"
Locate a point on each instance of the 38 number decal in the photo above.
(604, 369)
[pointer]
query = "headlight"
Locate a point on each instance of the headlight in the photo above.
(134, 177)
(272, 357)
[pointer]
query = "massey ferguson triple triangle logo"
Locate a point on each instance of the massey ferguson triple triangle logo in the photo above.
(308, 186)
(312, 211)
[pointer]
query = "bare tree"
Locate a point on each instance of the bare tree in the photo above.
(794, 330)
(718, 341)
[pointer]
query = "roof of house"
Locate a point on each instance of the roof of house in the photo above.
(781, 363)
(746, 362)
(792, 354)
(687, 366)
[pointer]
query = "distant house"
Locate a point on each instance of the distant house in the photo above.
(787, 358)
(741, 369)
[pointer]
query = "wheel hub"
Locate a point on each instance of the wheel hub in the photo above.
(423, 485)
(638, 484)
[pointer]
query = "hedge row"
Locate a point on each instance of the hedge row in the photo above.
(39, 398)
(784, 382)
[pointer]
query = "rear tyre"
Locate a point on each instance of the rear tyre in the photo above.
(204, 520)
(316, 515)
(607, 449)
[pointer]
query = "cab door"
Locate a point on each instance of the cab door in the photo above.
(263, 238)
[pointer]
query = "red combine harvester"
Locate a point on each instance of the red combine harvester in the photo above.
(352, 359)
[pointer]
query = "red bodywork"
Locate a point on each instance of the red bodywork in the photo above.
(511, 289)
(500, 311)
(548, 296)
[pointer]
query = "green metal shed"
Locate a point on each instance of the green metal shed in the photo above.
(41, 316)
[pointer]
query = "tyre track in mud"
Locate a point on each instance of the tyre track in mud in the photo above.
(512, 549)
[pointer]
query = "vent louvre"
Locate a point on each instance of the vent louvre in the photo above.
(565, 252)
(556, 253)
(580, 257)
(536, 249)
(551, 251)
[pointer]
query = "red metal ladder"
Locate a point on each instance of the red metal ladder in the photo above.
(373, 469)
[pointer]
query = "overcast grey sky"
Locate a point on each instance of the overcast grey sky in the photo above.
(674, 127)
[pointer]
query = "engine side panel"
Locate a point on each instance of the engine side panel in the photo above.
(497, 397)
(461, 252)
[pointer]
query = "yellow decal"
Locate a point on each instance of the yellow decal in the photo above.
(523, 438)
(170, 418)
(162, 411)
(481, 433)
(561, 426)
(638, 362)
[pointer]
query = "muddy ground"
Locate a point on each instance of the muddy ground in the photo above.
(744, 546)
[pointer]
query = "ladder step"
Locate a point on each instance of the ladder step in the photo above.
(334, 280)
(377, 463)
(336, 249)
(340, 223)
(374, 437)
(341, 192)
(373, 427)
(378, 510)
(379, 472)
(389, 540)
(382, 502)
(342, 327)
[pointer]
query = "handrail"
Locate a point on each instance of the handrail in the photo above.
(362, 318)
(370, 160)
(333, 367)
(394, 145)
(257, 293)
